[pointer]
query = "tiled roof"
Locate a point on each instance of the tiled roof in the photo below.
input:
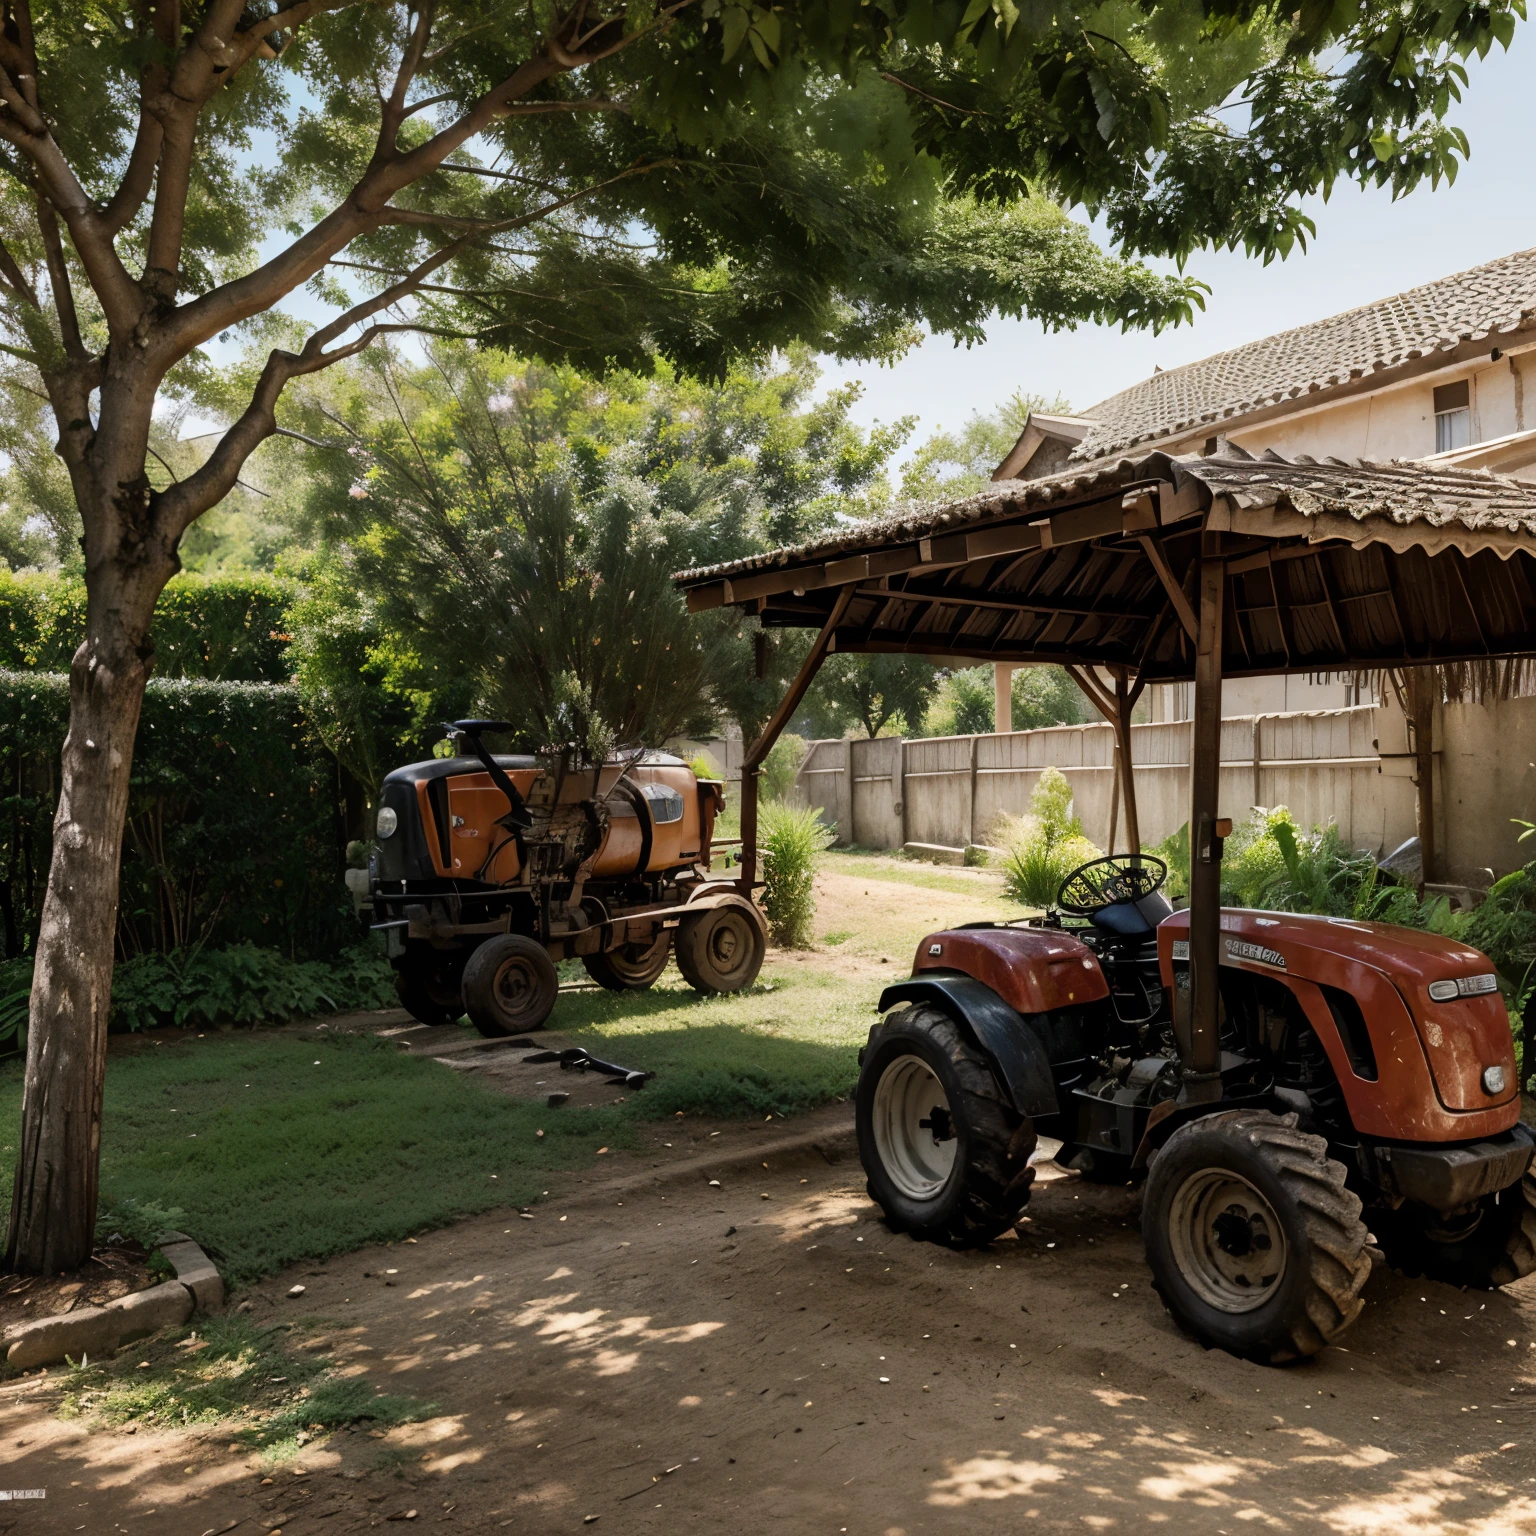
(1483, 302)
(1403, 491)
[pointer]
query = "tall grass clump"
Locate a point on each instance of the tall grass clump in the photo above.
(793, 839)
(1042, 848)
(781, 766)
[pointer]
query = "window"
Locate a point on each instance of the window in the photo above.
(1453, 417)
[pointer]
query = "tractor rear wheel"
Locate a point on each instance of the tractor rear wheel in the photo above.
(631, 967)
(721, 949)
(423, 994)
(1492, 1245)
(946, 1153)
(1255, 1245)
(510, 985)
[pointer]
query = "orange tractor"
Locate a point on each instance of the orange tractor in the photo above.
(490, 869)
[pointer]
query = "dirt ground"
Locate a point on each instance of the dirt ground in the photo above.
(654, 1352)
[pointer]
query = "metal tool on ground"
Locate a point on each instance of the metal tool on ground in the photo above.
(575, 1059)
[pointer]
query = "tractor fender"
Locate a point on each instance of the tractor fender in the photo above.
(996, 1028)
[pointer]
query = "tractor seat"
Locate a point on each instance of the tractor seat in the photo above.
(1132, 919)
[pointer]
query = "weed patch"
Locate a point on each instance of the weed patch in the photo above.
(230, 1373)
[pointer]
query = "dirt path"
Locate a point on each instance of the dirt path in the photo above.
(666, 1354)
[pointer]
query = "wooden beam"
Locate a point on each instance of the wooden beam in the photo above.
(1181, 608)
(753, 761)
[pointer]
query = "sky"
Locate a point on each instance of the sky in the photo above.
(1367, 248)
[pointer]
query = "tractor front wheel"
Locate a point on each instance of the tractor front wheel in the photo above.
(510, 985)
(1255, 1245)
(946, 1153)
(1491, 1245)
(631, 967)
(721, 949)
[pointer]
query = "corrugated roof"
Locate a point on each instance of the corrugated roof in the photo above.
(1482, 302)
(1403, 491)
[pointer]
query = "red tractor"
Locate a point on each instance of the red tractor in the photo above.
(1368, 1094)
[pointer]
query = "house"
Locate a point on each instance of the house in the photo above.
(1445, 373)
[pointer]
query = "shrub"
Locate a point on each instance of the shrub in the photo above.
(793, 837)
(233, 832)
(1044, 847)
(239, 985)
(781, 766)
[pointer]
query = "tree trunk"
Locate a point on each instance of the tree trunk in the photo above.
(53, 1206)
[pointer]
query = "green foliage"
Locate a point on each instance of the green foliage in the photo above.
(144, 1222)
(1041, 849)
(950, 465)
(964, 704)
(505, 534)
(781, 766)
(228, 629)
(1045, 696)
(872, 692)
(240, 984)
(965, 701)
(232, 831)
(246, 985)
(1174, 852)
(239, 1377)
(792, 838)
(1504, 928)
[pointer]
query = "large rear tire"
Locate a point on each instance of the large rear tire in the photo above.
(946, 1153)
(510, 986)
(632, 967)
(721, 949)
(1255, 1245)
(1493, 1245)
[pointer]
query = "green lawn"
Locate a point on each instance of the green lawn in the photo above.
(274, 1147)
(278, 1146)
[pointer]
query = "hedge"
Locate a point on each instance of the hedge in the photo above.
(234, 827)
(230, 629)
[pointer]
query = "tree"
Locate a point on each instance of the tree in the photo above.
(605, 180)
(872, 691)
(494, 527)
(959, 463)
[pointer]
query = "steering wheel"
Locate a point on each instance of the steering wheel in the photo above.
(1102, 882)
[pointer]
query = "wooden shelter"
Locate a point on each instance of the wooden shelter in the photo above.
(1161, 569)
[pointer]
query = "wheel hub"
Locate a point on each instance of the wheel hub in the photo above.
(1227, 1240)
(514, 985)
(914, 1128)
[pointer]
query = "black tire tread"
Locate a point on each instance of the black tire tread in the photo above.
(1334, 1237)
(1520, 1247)
(998, 1175)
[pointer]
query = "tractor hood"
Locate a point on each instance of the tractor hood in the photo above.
(1461, 1027)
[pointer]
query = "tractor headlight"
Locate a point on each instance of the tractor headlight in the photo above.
(1463, 986)
(1493, 1080)
(387, 822)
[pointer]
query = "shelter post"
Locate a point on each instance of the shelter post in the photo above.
(1422, 690)
(1116, 708)
(1202, 1064)
(752, 762)
(1002, 697)
(1125, 702)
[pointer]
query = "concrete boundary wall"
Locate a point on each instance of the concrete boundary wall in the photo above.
(951, 790)
(1349, 766)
